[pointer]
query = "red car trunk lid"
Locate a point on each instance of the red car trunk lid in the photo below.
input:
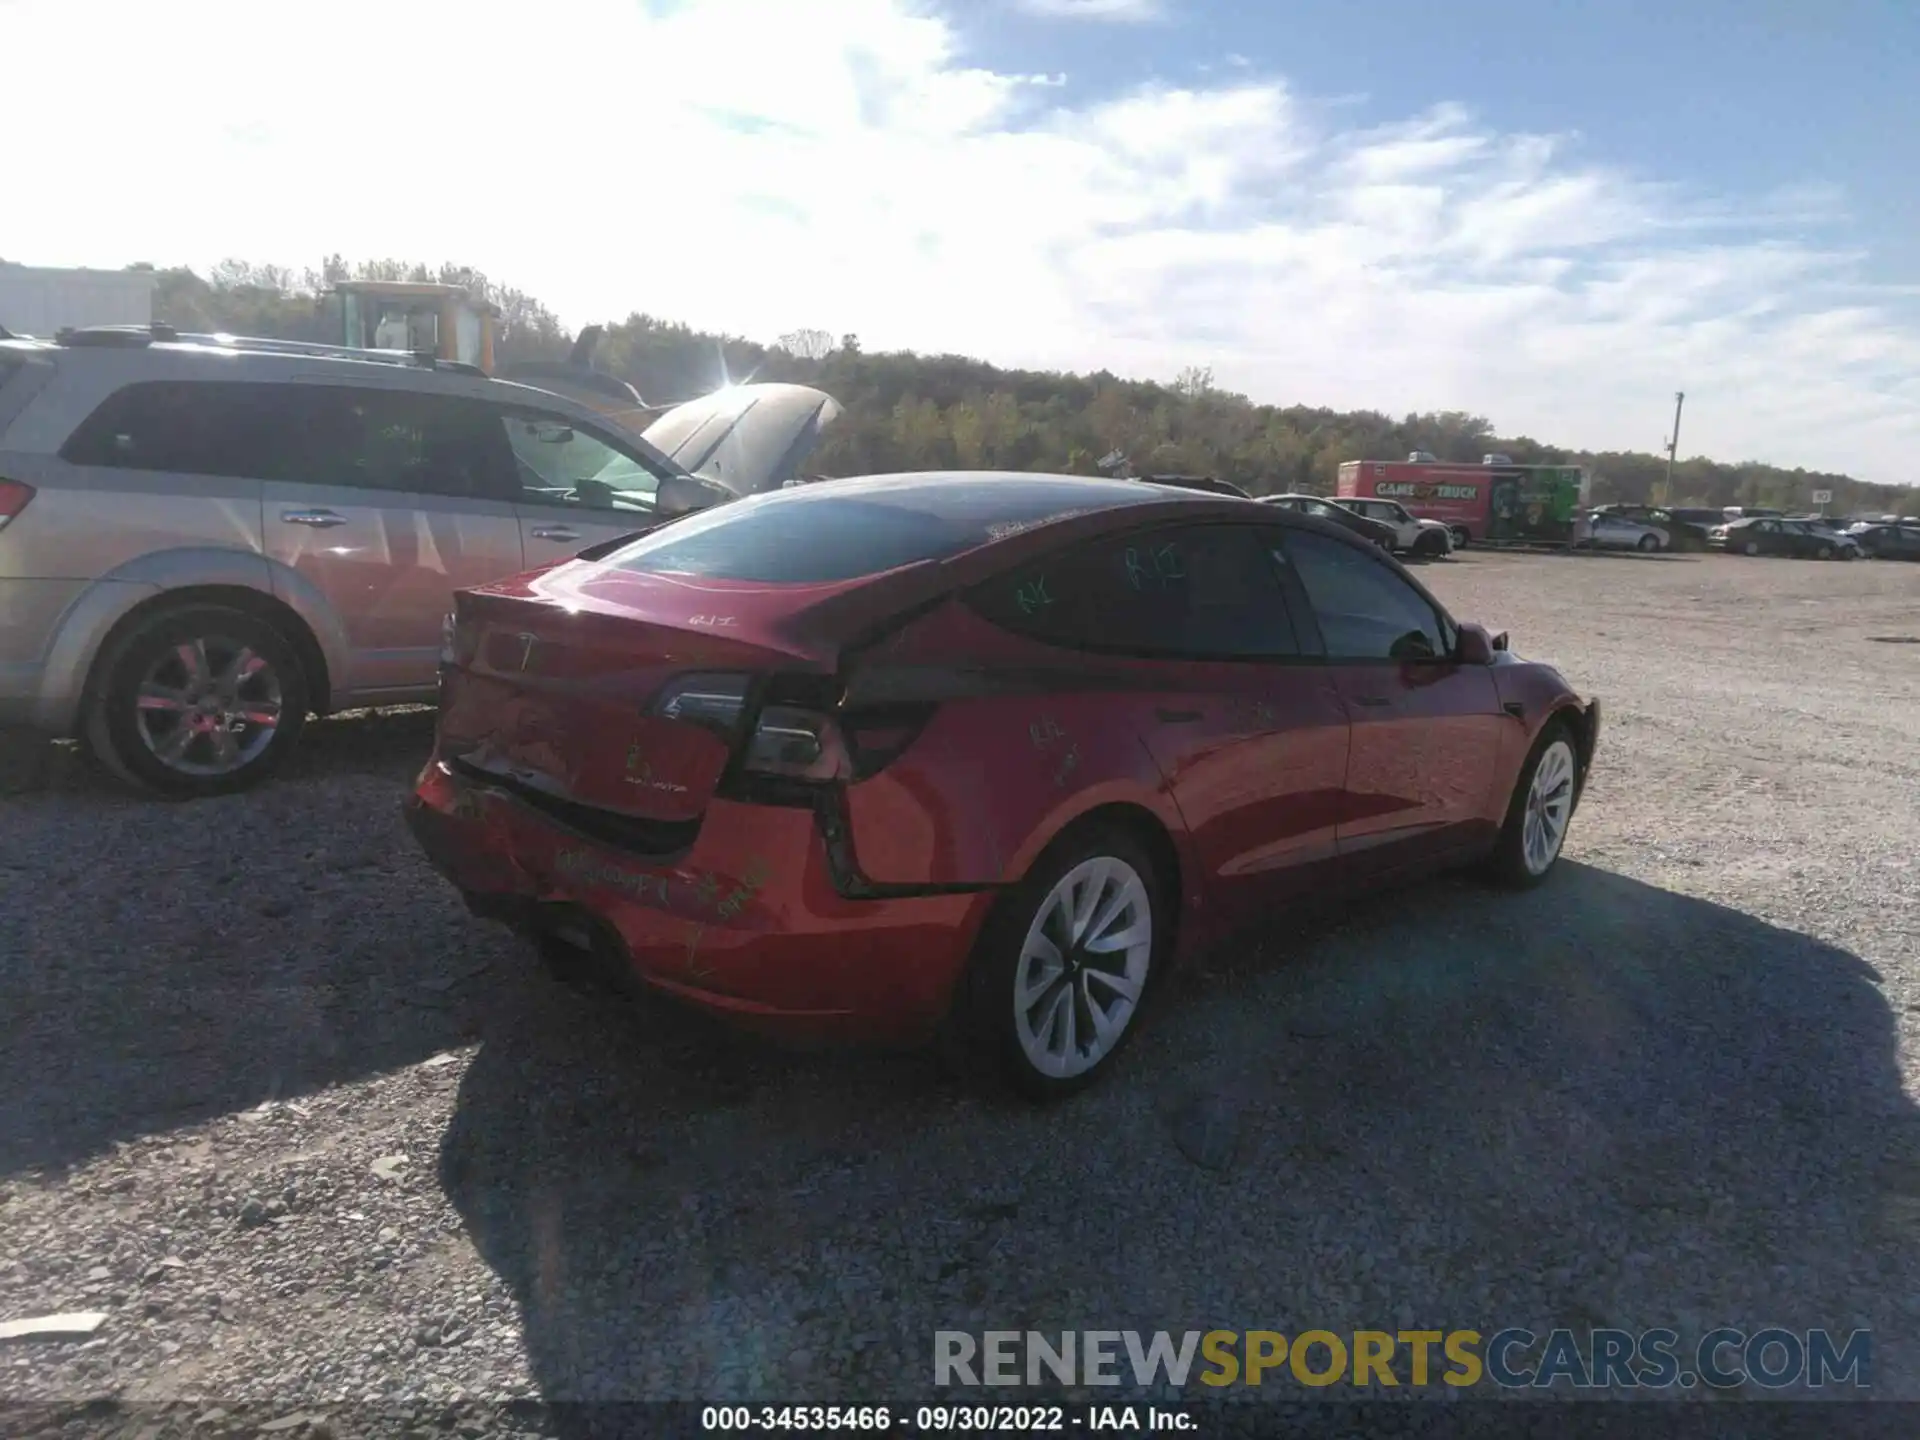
(555, 687)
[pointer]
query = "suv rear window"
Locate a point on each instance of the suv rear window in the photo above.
(362, 437)
(191, 428)
(815, 537)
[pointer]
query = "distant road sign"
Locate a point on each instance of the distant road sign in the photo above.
(1823, 497)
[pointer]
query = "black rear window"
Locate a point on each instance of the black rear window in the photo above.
(817, 536)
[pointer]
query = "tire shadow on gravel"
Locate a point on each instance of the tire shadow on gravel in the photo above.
(1597, 1103)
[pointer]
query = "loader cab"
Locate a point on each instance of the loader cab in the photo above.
(444, 321)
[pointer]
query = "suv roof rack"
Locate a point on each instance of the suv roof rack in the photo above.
(113, 335)
(159, 332)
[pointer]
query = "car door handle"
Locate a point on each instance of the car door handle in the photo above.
(1372, 702)
(1178, 717)
(318, 519)
(554, 532)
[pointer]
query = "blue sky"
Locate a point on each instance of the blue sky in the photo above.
(1555, 214)
(1738, 97)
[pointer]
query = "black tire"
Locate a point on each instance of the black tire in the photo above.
(1427, 545)
(1460, 537)
(1825, 552)
(1752, 547)
(114, 729)
(1508, 865)
(1648, 544)
(987, 1026)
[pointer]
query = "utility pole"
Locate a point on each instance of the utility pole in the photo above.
(1673, 447)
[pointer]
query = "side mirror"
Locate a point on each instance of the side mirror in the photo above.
(1476, 646)
(683, 494)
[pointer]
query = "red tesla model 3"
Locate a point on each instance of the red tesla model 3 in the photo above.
(974, 754)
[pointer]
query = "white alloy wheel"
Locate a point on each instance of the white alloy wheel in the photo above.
(1549, 807)
(1083, 967)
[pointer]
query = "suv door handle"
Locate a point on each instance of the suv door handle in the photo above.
(1372, 701)
(318, 519)
(554, 532)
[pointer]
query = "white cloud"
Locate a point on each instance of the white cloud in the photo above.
(756, 165)
(1123, 10)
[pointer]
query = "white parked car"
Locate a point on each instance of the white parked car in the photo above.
(1612, 532)
(1412, 535)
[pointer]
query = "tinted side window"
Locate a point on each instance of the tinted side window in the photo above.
(1365, 610)
(195, 428)
(368, 439)
(371, 439)
(560, 463)
(1205, 591)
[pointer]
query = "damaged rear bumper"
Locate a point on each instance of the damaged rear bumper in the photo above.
(751, 922)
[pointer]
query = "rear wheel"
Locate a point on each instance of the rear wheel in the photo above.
(1825, 552)
(1752, 547)
(1460, 537)
(1064, 965)
(197, 700)
(1648, 544)
(1540, 811)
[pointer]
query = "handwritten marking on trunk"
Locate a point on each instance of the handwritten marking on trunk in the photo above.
(588, 869)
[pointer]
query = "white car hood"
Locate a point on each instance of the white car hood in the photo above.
(748, 437)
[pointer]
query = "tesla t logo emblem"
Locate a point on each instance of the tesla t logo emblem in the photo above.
(526, 649)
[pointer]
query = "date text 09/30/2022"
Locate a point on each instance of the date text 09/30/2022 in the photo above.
(938, 1419)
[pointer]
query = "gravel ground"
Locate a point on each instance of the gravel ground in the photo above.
(308, 1134)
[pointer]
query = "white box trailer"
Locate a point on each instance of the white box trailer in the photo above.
(41, 300)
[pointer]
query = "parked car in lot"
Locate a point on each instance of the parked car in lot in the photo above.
(1799, 538)
(1685, 529)
(1888, 542)
(1604, 531)
(982, 756)
(204, 543)
(1367, 529)
(1411, 536)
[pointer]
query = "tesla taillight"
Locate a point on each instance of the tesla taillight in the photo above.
(876, 737)
(13, 499)
(714, 702)
(796, 744)
(459, 643)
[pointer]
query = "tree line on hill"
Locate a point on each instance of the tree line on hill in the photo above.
(907, 411)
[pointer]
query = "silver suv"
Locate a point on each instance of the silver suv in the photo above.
(204, 540)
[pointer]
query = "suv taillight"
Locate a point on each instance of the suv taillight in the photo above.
(13, 499)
